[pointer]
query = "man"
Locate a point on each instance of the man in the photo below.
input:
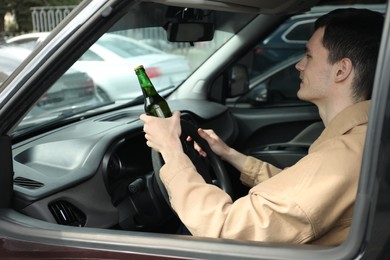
(311, 201)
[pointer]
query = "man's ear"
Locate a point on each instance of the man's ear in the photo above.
(343, 69)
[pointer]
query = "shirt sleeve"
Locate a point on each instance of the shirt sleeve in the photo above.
(256, 171)
(298, 205)
(309, 201)
(207, 211)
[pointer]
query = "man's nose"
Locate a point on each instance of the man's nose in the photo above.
(299, 65)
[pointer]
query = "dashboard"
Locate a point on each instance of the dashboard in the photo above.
(98, 172)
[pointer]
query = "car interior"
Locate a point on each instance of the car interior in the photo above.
(59, 185)
(85, 172)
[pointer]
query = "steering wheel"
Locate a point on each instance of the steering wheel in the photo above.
(211, 168)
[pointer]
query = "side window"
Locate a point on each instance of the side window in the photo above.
(278, 87)
(273, 78)
(300, 32)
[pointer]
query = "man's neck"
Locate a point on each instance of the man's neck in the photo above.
(328, 110)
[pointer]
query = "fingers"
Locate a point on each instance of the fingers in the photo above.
(176, 115)
(162, 134)
(199, 149)
(206, 134)
(144, 117)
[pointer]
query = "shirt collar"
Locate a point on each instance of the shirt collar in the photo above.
(351, 116)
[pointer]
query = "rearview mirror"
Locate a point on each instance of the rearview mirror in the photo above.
(190, 31)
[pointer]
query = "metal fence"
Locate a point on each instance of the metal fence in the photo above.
(45, 18)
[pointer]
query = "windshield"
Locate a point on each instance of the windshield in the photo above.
(104, 75)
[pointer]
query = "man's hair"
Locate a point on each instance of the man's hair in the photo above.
(354, 34)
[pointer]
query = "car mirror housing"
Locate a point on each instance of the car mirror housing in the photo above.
(190, 31)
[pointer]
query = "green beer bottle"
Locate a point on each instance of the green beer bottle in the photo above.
(155, 104)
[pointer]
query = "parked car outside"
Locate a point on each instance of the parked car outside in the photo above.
(11, 57)
(28, 40)
(74, 88)
(111, 62)
(81, 183)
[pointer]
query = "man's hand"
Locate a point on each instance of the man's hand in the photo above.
(216, 144)
(163, 134)
(220, 148)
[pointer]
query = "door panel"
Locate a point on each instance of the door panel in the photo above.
(279, 135)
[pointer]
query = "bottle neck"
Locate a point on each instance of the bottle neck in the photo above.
(145, 83)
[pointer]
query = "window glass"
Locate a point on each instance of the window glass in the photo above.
(90, 56)
(301, 32)
(284, 85)
(277, 86)
(104, 75)
(125, 47)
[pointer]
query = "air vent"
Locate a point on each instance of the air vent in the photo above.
(67, 214)
(27, 183)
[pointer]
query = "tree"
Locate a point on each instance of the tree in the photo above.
(22, 11)
(4, 7)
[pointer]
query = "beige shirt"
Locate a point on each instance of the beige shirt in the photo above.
(309, 202)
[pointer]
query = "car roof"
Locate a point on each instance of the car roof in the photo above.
(38, 36)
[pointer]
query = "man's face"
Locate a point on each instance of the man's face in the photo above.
(315, 71)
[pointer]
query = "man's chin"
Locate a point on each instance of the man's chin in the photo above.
(301, 96)
(305, 98)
